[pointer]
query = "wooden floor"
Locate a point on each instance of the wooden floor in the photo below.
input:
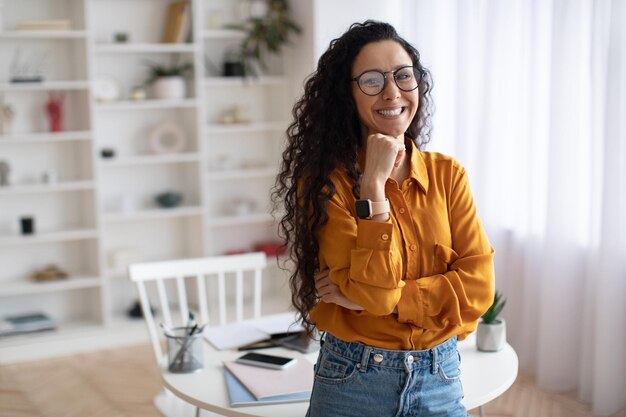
(122, 383)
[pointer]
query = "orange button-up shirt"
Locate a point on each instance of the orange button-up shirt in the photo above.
(431, 261)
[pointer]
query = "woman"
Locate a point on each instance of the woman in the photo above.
(407, 269)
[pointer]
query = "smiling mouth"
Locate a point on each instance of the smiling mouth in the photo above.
(391, 113)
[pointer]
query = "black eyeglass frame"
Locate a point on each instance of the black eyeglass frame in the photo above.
(384, 74)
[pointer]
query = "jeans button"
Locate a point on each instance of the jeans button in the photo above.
(410, 359)
(378, 358)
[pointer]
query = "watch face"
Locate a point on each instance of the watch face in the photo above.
(363, 209)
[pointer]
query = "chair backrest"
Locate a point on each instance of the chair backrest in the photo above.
(157, 280)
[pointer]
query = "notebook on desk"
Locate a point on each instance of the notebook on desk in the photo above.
(239, 396)
(248, 385)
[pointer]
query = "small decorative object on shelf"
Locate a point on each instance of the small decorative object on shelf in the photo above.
(6, 117)
(49, 273)
(27, 225)
(138, 93)
(236, 114)
(240, 206)
(167, 137)
(168, 82)
(121, 37)
(491, 332)
(233, 64)
(49, 176)
(120, 258)
(27, 70)
(215, 19)
(106, 89)
(271, 249)
(54, 110)
(136, 312)
(267, 28)
(169, 199)
(5, 173)
(107, 153)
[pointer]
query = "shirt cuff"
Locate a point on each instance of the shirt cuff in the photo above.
(375, 235)
(411, 306)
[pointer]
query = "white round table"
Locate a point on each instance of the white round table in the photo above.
(484, 375)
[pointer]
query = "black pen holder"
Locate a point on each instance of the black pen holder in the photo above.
(184, 351)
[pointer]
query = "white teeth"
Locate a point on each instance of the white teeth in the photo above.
(394, 112)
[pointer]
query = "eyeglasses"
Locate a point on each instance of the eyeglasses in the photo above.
(373, 82)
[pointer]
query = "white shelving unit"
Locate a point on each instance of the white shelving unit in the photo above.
(64, 206)
(100, 210)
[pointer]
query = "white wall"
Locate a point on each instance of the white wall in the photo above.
(325, 20)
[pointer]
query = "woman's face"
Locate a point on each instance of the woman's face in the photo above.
(391, 111)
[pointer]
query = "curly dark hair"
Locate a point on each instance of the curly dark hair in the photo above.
(326, 135)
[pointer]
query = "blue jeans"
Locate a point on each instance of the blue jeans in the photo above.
(355, 380)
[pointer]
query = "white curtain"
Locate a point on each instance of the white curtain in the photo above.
(531, 97)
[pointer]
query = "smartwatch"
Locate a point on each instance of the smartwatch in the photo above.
(366, 209)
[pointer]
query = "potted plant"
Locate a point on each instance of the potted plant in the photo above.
(168, 82)
(267, 29)
(491, 332)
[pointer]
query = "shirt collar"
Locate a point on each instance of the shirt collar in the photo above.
(418, 166)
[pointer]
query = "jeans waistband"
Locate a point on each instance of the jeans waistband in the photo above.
(373, 356)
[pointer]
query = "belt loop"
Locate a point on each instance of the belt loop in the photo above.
(435, 367)
(365, 358)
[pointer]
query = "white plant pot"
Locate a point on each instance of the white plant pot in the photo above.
(169, 88)
(491, 337)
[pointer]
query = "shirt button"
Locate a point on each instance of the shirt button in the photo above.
(402, 210)
(413, 247)
(385, 236)
(378, 358)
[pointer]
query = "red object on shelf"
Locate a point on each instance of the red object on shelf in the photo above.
(236, 251)
(270, 248)
(54, 109)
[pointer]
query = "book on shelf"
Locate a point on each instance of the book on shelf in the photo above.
(177, 22)
(247, 385)
(26, 323)
(43, 25)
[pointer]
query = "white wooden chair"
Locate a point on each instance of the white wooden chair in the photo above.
(177, 284)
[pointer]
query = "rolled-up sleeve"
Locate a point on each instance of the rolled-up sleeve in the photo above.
(362, 259)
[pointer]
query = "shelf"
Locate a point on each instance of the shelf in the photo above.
(49, 237)
(151, 160)
(73, 283)
(45, 137)
(244, 81)
(44, 34)
(47, 188)
(236, 174)
(214, 128)
(148, 104)
(45, 86)
(133, 48)
(153, 214)
(223, 34)
(240, 220)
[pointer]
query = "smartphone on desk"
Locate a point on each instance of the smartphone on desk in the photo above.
(266, 361)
